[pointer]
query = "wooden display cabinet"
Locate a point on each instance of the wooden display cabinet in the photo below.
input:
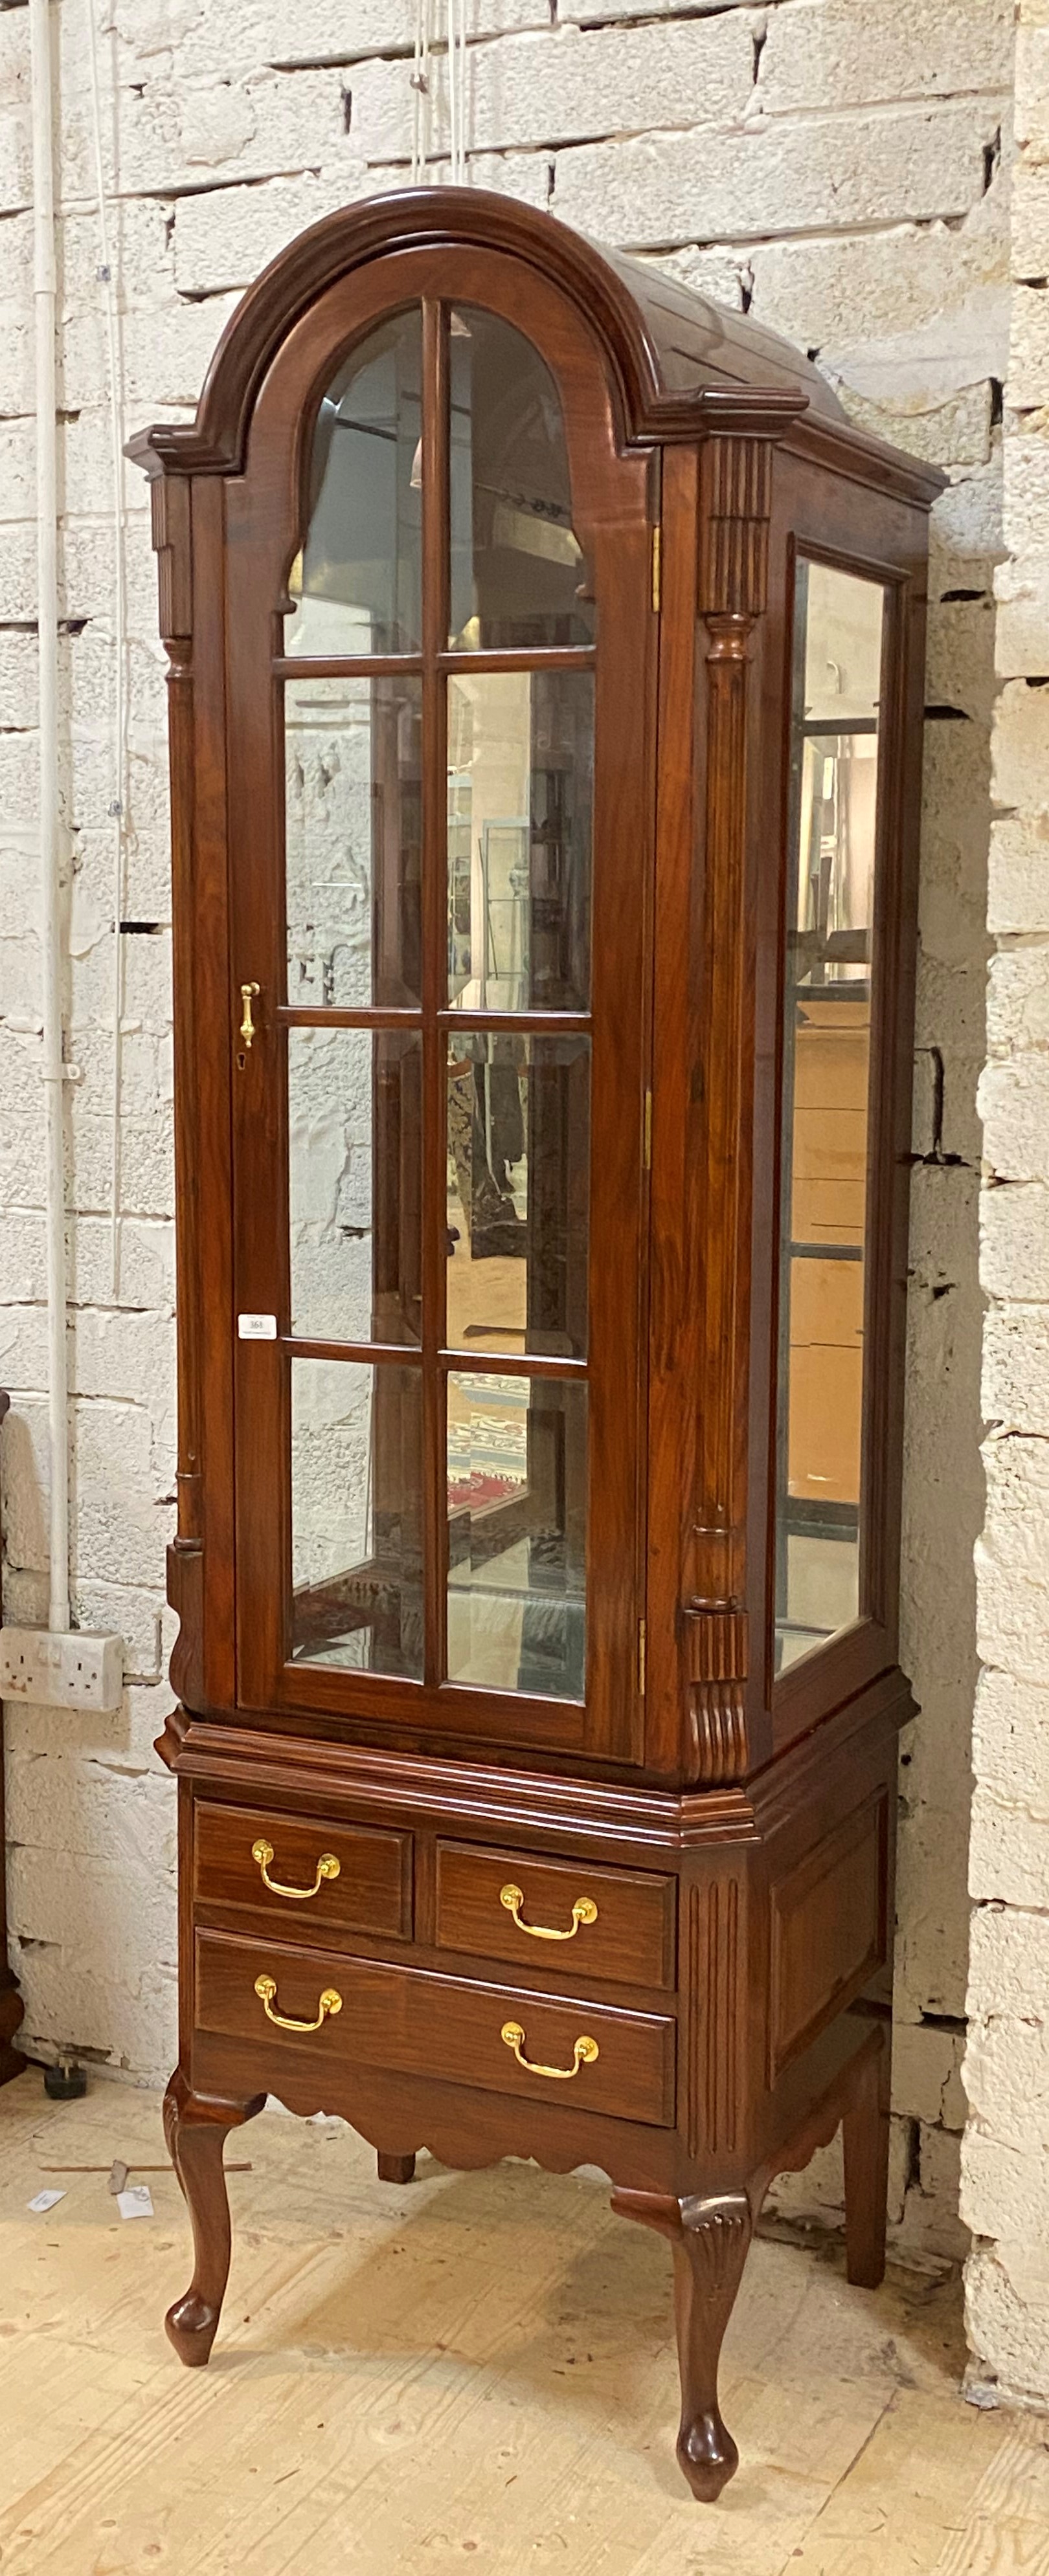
(546, 682)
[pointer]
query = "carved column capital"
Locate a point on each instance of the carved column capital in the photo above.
(734, 545)
(717, 1663)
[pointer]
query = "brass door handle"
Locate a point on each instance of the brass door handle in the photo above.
(584, 2053)
(327, 1867)
(248, 994)
(266, 1987)
(583, 1911)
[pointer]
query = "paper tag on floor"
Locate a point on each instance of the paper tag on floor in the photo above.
(45, 2200)
(136, 2201)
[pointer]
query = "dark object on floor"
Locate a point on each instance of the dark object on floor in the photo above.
(65, 2083)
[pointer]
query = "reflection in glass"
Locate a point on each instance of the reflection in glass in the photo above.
(352, 840)
(516, 1534)
(354, 1127)
(520, 800)
(356, 584)
(518, 1181)
(519, 577)
(827, 1037)
(356, 1516)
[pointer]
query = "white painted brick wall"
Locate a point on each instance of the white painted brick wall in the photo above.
(1007, 2060)
(833, 164)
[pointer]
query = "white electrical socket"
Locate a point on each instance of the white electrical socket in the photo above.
(78, 1668)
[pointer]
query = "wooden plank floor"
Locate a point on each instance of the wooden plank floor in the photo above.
(478, 2369)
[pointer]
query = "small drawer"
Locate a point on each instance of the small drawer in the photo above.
(614, 1924)
(347, 1878)
(350, 2013)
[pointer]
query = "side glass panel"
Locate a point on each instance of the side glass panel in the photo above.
(354, 1168)
(518, 573)
(520, 800)
(518, 1188)
(356, 1516)
(830, 963)
(357, 583)
(352, 832)
(516, 1534)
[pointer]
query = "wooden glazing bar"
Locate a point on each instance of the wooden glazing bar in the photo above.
(435, 580)
(392, 666)
(347, 666)
(523, 657)
(519, 1023)
(472, 1363)
(395, 1354)
(313, 1015)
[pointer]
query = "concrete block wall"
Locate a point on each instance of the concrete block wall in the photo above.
(838, 167)
(1007, 2061)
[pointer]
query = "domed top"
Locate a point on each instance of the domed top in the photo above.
(700, 343)
(681, 365)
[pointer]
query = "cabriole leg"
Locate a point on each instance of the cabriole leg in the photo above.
(196, 2134)
(865, 2134)
(395, 2168)
(709, 2238)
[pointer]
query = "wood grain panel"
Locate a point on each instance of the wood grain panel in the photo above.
(630, 1943)
(372, 1892)
(713, 2016)
(828, 1929)
(409, 2023)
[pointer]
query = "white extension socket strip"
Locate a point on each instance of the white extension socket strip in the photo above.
(79, 1668)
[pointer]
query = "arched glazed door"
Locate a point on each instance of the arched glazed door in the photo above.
(439, 658)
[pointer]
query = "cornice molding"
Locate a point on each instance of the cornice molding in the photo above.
(427, 218)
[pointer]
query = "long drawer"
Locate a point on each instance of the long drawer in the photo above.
(614, 1924)
(406, 2021)
(348, 1878)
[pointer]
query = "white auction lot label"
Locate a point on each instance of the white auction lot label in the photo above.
(257, 1328)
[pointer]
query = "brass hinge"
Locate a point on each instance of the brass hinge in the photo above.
(646, 1150)
(641, 1659)
(657, 566)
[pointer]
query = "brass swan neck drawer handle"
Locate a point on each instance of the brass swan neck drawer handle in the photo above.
(585, 2053)
(583, 1911)
(330, 2002)
(327, 1867)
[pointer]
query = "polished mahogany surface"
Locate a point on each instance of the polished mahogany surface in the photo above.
(546, 673)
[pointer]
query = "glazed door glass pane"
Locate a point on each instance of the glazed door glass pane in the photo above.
(477, 1257)
(517, 1534)
(355, 1180)
(352, 841)
(518, 573)
(831, 960)
(520, 802)
(518, 1190)
(356, 587)
(356, 1516)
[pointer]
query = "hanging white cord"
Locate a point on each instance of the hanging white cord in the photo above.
(463, 90)
(457, 90)
(421, 90)
(119, 800)
(454, 99)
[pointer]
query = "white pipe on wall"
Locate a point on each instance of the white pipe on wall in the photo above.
(50, 843)
(119, 800)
